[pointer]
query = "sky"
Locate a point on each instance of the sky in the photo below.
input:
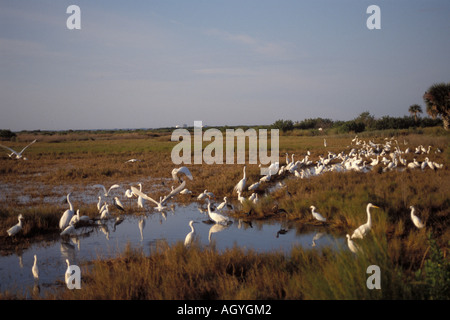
(151, 64)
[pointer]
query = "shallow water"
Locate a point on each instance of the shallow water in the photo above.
(145, 231)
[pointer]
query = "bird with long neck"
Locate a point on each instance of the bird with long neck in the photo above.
(241, 184)
(362, 230)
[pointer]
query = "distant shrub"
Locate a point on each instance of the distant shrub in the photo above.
(6, 134)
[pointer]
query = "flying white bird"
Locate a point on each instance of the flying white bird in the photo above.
(184, 170)
(317, 215)
(415, 219)
(162, 201)
(106, 193)
(16, 228)
(362, 230)
(18, 154)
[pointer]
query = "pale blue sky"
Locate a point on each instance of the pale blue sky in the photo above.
(147, 64)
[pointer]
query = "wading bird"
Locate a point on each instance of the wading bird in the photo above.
(190, 236)
(17, 154)
(67, 215)
(224, 203)
(216, 217)
(241, 184)
(362, 230)
(352, 245)
(118, 204)
(16, 228)
(415, 219)
(317, 215)
(162, 201)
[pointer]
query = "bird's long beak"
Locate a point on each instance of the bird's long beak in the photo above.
(375, 207)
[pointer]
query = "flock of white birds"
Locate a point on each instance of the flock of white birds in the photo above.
(363, 157)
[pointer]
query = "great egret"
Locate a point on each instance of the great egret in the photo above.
(18, 154)
(190, 236)
(205, 194)
(415, 219)
(35, 269)
(118, 204)
(216, 217)
(16, 228)
(241, 184)
(362, 230)
(184, 170)
(105, 192)
(67, 215)
(162, 201)
(317, 215)
(352, 245)
(241, 198)
(186, 191)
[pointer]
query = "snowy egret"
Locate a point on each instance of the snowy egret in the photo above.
(190, 236)
(16, 228)
(18, 154)
(362, 230)
(224, 203)
(317, 215)
(105, 213)
(415, 219)
(67, 215)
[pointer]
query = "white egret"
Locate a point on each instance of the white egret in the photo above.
(241, 198)
(16, 228)
(18, 154)
(352, 245)
(77, 218)
(186, 191)
(362, 230)
(140, 199)
(190, 236)
(317, 215)
(216, 217)
(69, 230)
(105, 213)
(67, 215)
(205, 194)
(415, 219)
(99, 203)
(35, 269)
(118, 204)
(162, 201)
(241, 184)
(184, 170)
(224, 203)
(105, 192)
(254, 186)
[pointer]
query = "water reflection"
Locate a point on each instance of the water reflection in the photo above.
(107, 238)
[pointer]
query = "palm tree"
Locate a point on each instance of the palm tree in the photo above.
(437, 100)
(414, 110)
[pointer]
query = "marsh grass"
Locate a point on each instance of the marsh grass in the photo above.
(202, 273)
